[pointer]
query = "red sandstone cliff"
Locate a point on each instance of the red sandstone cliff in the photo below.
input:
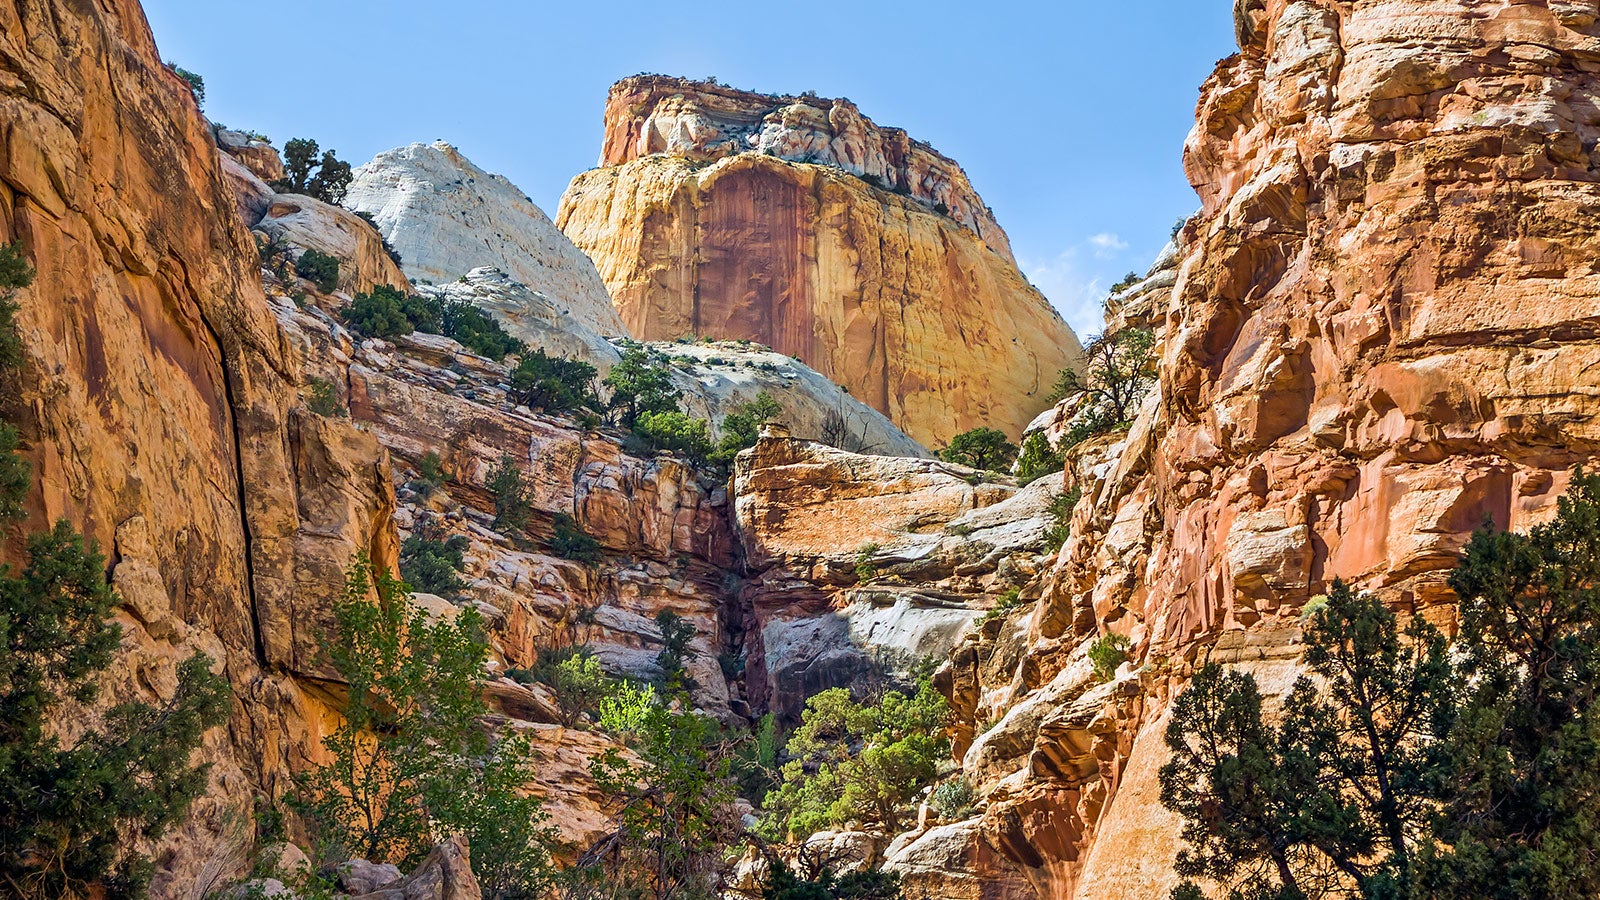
(798, 223)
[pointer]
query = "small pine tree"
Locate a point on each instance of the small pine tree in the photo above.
(553, 383)
(639, 386)
(318, 268)
(741, 428)
(1038, 458)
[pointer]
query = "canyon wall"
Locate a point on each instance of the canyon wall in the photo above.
(1383, 332)
(798, 223)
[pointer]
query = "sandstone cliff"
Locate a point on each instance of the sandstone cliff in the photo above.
(447, 217)
(798, 223)
(1382, 332)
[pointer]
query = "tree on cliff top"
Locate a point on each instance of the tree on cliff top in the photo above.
(326, 179)
(1118, 371)
(981, 448)
(68, 808)
(639, 386)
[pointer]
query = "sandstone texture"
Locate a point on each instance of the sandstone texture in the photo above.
(447, 217)
(162, 410)
(714, 377)
(1381, 330)
(857, 563)
(797, 223)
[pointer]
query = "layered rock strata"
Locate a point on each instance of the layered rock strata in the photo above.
(1382, 333)
(447, 217)
(798, 223)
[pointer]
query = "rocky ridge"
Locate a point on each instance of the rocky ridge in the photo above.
(1375, 338)
(446, 217)
(797, 223)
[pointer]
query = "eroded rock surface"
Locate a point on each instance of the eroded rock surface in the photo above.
(797, 223)
(447, 217)
(1382, 331)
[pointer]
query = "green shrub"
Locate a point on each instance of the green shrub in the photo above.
(741, 428)
(411, 757)
(866, 569)
(638, 387)
(476, 330)
(1060, 528)
(953, 800)
(325, 399)
(380, 314)
(676, 432)
(197, 85)
(318, 268)
(981, 448)
(672, 660)
(431, 565)
(553, 383)
(512, 504)
(1107, 653)
(856, 762)
(570, 541)
(430, 474)
(1038, 458)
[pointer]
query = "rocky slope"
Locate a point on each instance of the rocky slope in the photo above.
(798, 223)
(1383, 331)
(447, 217)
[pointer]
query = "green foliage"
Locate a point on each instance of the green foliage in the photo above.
(431, 565)
(327, 179)
(1336, 797)
(71, 807)
(318, 268)
(1009, 600)
(411, 762)
(675, 790)
(865, 569)
(822, 883)
(553, 383)
(639, 386)
(981, 448)
(676, 634)
(197, 85)
(1107, 653)
(388, 312)
(1118, 371)
(953, 800)
(430, 474)
(675, 431)
(850, 761)
(755, 762)
(741, 428)
(1128, 281)
(1038, 458)
(578, 683)
(324, 399)
(513, 505)
(1060, 510)
(1523, 817)
(381, 314)
(570, 541)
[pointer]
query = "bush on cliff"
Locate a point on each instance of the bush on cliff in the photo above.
(411, 762)
(513, 505)
(318, 268)
(431, 564)
(675, 432)
(1411, 768)
(1038, 458)
(70, 807)
(1117, 372)
(741, 427)
(850, 761)
(638, 387)
(554, 384)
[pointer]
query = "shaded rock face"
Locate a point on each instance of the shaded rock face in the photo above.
(860, 563)
(447, 217)
(746, 216)
(160, 403)
(1382, 332)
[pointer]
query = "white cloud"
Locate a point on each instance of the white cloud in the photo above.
(1070, 287)
(1107, 245)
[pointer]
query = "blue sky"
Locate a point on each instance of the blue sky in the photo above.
(1069, 116)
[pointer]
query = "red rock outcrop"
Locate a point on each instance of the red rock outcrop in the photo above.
(798, 223)
(1384, 331)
